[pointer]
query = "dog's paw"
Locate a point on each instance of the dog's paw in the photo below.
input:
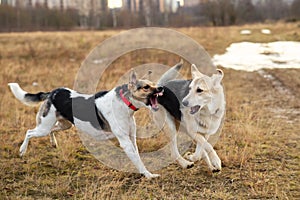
(185, 164)
(53, 142)
(192, 157)
(190, 165)
(22, 150)
(215, 170)
(149, 175)
(216, 164)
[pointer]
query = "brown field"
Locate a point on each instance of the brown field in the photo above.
(259, 144)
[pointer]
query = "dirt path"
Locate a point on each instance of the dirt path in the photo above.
(290, 95)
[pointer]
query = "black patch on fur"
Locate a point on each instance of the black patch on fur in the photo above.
(174, 92)
(170, 102)
(62, 101)
(41, 96)
(124, 88)
(79, 107)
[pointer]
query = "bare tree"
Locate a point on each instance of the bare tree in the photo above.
(295, 9)
(147, 12)
(61, 5)
(246, 12)
(29, 3)
(46, 3)
(272, 10)
(220, 12)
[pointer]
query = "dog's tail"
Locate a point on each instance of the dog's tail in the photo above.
(25, 97)
(171, 74)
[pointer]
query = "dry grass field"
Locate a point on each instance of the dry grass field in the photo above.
(259, 144)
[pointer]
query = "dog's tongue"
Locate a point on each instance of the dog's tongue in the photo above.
(154, 104)
(194, 109)
(160, 94)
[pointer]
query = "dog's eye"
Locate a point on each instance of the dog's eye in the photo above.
(199, 90)
(146, 87)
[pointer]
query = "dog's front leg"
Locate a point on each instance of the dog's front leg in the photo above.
(131, 151)
(132, 133)
(206, 151)
(199, 153)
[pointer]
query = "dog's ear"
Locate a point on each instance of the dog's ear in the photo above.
(170, 74)
(195, 72)
(132, 78)
(218, 77)
(147, 75)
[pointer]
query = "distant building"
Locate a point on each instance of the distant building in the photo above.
(191, 3)
(162, 5)
(51, 4)
(58, 4)
(132, 5)
(13, 2)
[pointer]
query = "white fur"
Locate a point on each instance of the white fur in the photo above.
(208, 119)
(115, 111)
(123, 125)
(202, 124)
(42, 129)
(87, 128)
(75, 94)
(20, 94)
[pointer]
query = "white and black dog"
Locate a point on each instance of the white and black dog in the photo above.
(92, 114)
(199, 106)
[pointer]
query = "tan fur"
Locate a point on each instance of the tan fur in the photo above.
(205, 108)
(202, 112)
(142, 90)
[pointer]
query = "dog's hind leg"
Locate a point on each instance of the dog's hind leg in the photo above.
(45, 123)
(164, 120)
(174, 149)
(60, 125)
(53, 140)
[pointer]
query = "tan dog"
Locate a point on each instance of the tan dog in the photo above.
(199, 106)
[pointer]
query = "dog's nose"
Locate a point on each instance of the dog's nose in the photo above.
(185, 103)
(159, 89)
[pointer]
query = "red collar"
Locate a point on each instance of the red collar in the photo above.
(128, 103)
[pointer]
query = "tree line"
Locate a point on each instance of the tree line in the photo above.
(228, 12)
(214, 13)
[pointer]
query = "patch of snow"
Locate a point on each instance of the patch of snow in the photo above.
(35, 84)
(250, 56)
(245, 32)
(266, 31)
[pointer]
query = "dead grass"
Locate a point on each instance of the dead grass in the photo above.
(259, 145)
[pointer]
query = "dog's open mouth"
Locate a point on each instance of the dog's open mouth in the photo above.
(153, 99)
(194, 109)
